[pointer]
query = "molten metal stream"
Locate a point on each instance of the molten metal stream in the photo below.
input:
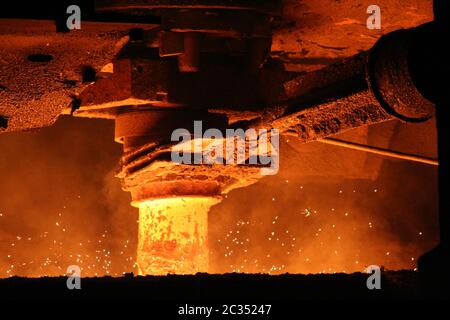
(173, 236)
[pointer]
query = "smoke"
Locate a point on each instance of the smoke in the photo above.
(323, 224)
(60, 203)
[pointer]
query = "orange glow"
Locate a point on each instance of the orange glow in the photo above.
(173, 236)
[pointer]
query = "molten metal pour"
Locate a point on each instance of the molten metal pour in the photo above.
(173, 236)
(174, 200)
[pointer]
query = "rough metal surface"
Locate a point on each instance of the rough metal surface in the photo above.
(310, 34)
(332, 117)
(315, 33)
(41, 71)
(327, 101)
(148, 172)
(391, 80)
(142, 76)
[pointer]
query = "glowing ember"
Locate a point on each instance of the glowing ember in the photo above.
(173, 236)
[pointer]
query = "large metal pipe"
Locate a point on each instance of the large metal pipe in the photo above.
(368, 88)
(173, 235)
